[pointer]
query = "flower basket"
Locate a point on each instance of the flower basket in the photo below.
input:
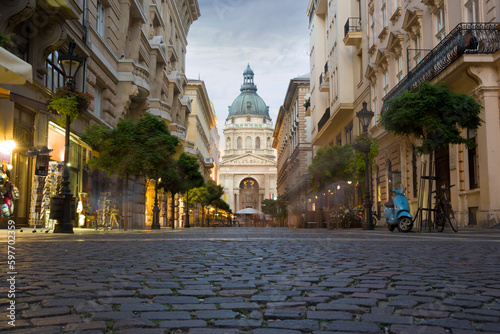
(68, 102)
(362, 142)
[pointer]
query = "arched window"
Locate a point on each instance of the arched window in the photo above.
(257, 143)
(248, 142)
(239, 143)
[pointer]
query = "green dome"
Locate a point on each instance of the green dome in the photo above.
(248, 102)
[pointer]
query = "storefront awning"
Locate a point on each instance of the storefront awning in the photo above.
(13, 70)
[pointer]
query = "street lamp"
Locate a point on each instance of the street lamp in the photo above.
(365, 117)
(63, 204)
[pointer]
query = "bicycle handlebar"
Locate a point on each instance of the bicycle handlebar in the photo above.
(442, 188)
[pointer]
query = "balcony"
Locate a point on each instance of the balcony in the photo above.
(447, 51)
(352, 31)
(324, 119)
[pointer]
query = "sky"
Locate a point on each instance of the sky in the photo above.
(270, 35)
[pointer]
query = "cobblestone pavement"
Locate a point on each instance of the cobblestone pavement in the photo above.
(261, 280)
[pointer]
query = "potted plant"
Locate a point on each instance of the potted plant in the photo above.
(69, 102)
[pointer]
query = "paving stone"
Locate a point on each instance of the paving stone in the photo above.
(353, 326)
(142, 331)
(85, 326)
(176, 300)
(329, 315)
(238, 323)
(193, 307)
(294, 324)
(197, 293)
(282, 314)
(241, 292)
(155, 292)
(219, 300)
(45, 312)
(412, 329)
(143, 307)
(274, 331)
(214, 331)
(177, 315)
(216, 314)
(132, 323)
(37, 330)
(113, 315)
(425, 313)
(58, 320)
(356, 301)
(387, 319)
(239, 306)
(447, 323)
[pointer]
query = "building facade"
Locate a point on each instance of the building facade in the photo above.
(292, 141)
(248, 167)
(393, 46)
(134, 55)
(201, 121)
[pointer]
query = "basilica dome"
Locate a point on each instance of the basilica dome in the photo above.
(248, 102)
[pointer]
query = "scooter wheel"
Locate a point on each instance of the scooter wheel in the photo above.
(391, 228)
(405, 224)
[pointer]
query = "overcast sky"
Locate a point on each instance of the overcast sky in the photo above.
(271, 35)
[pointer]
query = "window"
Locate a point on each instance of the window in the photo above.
(100, 19)
(441, 33)
(416, 45)
(374, 102)
(97, 101)
(384, 14)
(248, 119)
(339, 140)
(386, 82)
(373, 28)
(248, 142)
(472, 12)
(399, 70)
(348, 133)
(472, 155)
(257, 143)
(239, 143)
(54, 78)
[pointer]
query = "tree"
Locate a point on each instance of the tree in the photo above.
(199, 197)
(434, 116)
(270, 207)
(214, 193)
(331, 164)
(139, 149)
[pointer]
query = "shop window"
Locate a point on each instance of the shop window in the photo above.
(472, 155)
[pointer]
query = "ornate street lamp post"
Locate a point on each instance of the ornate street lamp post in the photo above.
(365, 117)
(63, 204)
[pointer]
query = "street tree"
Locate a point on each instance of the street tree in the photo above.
(138, 149)
(433, 117)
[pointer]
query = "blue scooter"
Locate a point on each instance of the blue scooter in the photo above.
(397, 213)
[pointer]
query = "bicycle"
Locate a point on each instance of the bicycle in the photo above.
(443, 211)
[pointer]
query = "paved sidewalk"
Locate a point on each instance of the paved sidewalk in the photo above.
(253, 280)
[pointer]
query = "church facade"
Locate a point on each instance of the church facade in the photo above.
(248, 168)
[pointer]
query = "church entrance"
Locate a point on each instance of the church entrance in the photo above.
(249, 194)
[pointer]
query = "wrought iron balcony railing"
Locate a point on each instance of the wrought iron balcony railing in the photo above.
(324, 119)
(353, 24)
(456, 44)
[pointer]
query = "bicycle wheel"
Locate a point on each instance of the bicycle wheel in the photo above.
(450, 217)
(374, 220)
(439, 219)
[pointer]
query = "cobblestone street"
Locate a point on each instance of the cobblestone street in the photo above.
(261, 280)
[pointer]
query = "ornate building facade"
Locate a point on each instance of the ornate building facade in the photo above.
(134, 55)
(248, 167)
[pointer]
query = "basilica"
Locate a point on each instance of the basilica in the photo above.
(248, 167)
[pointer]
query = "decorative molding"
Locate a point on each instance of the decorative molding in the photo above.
(396, 42)
(15, 12)
(50, 38)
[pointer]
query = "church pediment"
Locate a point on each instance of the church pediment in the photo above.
(249, 160)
